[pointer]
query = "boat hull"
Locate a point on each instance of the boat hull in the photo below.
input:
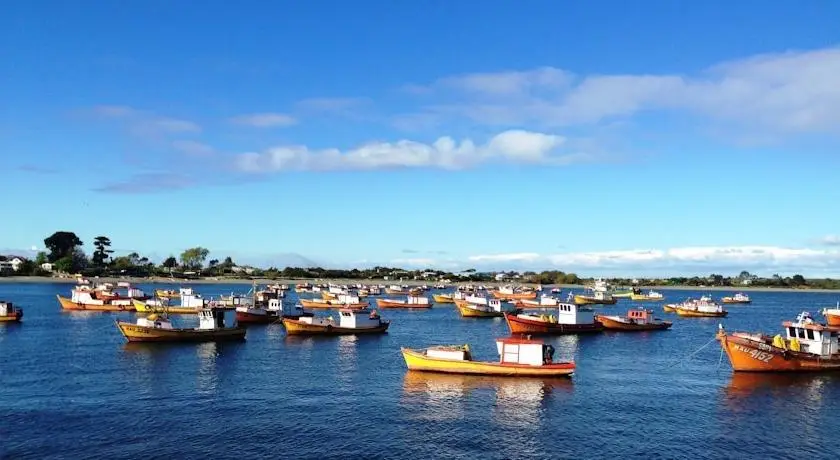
(417, 361)
(617, 325)
(13, 317)
(700, 314)
(515, 295)
(586, 300)
(751, 356)
(731, 301)
(143, 307)
(438, 298)
(644, 298)
(467, 312)
(135, 333)
(519, 325)
(832, 319)
(67, 304)
(295, 327)
(669, 308)
(312, 304)
(388, 303)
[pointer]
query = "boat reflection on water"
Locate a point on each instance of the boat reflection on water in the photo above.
(207, 377)
(518, 399)
(745, 384)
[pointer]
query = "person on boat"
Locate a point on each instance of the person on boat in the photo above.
(548, 354)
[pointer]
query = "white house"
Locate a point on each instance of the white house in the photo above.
(47, 267)
(501, 276)
(11, 265)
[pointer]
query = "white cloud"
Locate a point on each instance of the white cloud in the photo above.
(145, 123)
(265, 120)
(515, 146)
(794, 92)
(682, 260)
(830, 240)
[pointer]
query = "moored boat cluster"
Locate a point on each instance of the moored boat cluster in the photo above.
(527, 312)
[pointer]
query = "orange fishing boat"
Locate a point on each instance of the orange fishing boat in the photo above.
(82, 299)
(410, 302)
(350, 322)
(637, 319)
(807, 347)
(570, 319)
(832, 316)
(9, 313)
(509, 293)
(321, 303)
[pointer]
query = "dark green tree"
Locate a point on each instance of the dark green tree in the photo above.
(102, 250)
(61, 244)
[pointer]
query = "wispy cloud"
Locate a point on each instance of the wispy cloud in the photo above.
(147, 183)
(265, 120)
(830, 240)
(342, 106)
(701, 259)
(37, 169)
(193, 148)
(145, 123)
(792, 92)
(410, 251)
(515, 146)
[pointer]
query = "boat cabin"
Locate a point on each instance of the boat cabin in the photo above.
(808, 336)
(156, 321)
(640, 316)
(495, 304)
(358, 318)
(569, 313)
(348, 299)
(524, 351)
(475, 299)
(454, 353)
(191, 299)
(7, 309)
(211, 318)
(417, 300)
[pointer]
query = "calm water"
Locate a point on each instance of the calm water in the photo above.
(71, 388)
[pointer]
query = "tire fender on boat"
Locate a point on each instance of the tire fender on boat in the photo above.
(329, 327)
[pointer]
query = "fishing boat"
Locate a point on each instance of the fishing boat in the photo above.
(350, 322)
(396, 290)
(271, 312)
(151, 306)
(624, 294)
(443, 298)
(737, 298)
(410, 301)
(700, 308)
(339, 303)
(636, 319)
(509, 293)
(544, 301)
(492, 309)
(832, 315)
(167, 294)
(651, 296)
(596, 298)
(157, 328)
(570, 319)
(806, 347)
(517, 358)
(9, 313)
(83, 297)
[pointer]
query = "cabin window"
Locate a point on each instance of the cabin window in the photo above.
(810, 334)
(801, 333)
(791, 332)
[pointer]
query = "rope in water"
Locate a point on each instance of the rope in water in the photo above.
(693, 353)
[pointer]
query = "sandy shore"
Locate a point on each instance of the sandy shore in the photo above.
(160, 280)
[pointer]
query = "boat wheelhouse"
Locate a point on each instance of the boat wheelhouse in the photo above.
(569, 319)
(9, 313)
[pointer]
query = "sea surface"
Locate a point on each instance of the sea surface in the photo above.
(70, 387)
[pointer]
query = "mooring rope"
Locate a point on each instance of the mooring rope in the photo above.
(694, 352)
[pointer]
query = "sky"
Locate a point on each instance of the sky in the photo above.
(602, 137)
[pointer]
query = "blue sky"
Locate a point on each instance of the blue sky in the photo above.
(596, 137)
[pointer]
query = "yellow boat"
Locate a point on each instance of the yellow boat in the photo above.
(519, 357)
(669, 307)
(167, 294)
(651, 296)
(468, 310)
(158, 328)
(443, 298)
(622, 294)
(597, 299)
(144, 307)
(351, 322)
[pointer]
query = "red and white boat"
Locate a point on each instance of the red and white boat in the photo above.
(410, 301)
(807, 347)
(636, 319)
(569, 319)
(272, 311)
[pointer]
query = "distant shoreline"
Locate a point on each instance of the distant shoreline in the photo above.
(212, 281)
